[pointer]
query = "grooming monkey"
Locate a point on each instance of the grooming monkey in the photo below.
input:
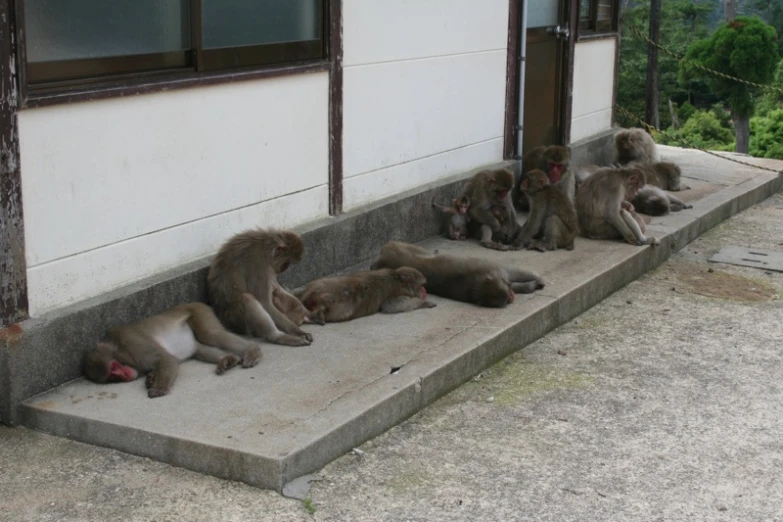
(555, 161)
(461, 278)
(552, 222)
(600, 206)
(366, 293)
(243, 278)
(458, 217)
(486, 189)
(156, 345)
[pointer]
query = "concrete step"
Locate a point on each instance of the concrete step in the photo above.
(302, 407)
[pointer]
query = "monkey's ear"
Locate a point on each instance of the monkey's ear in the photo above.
(405, 277)
(633, 178)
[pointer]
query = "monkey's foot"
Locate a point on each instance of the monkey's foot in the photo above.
(290, 340)
(495, 246)
(153, 392)
(251, 357)
(226, 363)
(428, 304)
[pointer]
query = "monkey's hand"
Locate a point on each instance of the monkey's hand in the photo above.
(226, 363)
(428, 304)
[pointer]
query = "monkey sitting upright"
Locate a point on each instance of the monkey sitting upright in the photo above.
(243, 278)
(602, 208)
(458, 217)
(555, 161)
(552, 221)
(487, 189)
(156, 345)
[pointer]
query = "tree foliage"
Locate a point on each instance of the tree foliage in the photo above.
(766, 135)
(703, 130)
(744, 48)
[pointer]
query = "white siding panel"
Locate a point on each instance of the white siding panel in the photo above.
(388, 30)
(593, 79)
(590, 124)
(101, 172)
(88, 274)
(371, 187)
(402, 111)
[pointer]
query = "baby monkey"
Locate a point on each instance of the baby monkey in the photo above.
(458, 217)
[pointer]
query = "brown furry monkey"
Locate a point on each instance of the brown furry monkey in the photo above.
(651, 199)
(458, 217)
(555, 160)
(486, 189)
(464, 279)
(366, 293)
(156, 345)
(294, 309)
(552, 221)
(599, 206)
(243, 277)
(634, 145)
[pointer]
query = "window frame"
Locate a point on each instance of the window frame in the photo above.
(136, 74)
(589, 28)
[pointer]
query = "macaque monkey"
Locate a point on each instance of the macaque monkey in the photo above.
(486, 189)
(156, 345)
(552, 221)
(582, 172)
(634, 145)
(651, 199)
(458, 217)
(243, 278)
(555, 161)
(294, 309)
(465, 279)
(366, 293)
(599, 206)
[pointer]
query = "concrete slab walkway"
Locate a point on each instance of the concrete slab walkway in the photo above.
(303, 407)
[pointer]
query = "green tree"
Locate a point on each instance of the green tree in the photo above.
(703, 130)
(744, 48)
(683, 22)
(766, 138)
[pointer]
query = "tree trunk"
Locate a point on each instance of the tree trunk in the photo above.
(729, 10)
(741, 132)
(652, 95)
(673, 113)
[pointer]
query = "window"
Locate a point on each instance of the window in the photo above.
(78, 41)
(598, 16)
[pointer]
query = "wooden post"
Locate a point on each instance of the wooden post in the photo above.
(652, 96)
(13, 267)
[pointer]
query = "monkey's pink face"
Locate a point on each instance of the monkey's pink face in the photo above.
(120, 373)
(554, 171)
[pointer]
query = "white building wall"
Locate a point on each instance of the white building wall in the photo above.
(424, 92)
(594, 63)
(121, 189)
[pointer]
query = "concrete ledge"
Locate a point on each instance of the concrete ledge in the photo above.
(301, 408)
(48, 351)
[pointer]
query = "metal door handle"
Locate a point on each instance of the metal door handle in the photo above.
(560, 32)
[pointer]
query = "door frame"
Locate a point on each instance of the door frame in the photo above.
(569, 14)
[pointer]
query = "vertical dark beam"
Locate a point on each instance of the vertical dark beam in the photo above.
(336, 107)
(13, 268)
(570, 14)
(512, 82)
(652, 95)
